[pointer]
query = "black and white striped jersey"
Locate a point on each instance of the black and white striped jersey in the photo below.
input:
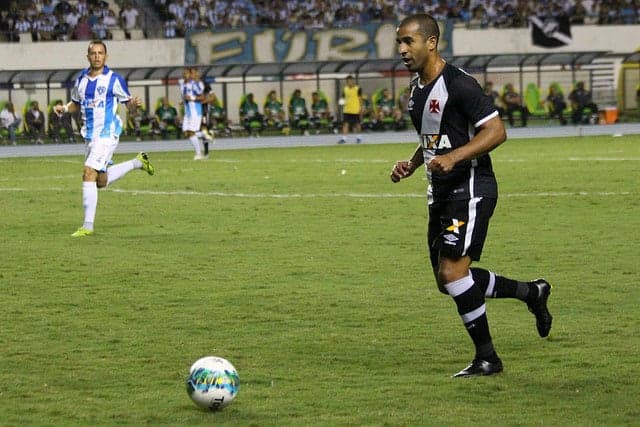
(446, 113)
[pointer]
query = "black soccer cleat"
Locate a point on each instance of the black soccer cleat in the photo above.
(480, 367)
(539, 307)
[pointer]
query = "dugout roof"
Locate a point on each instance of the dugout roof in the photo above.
(242, 73)
(632, 58)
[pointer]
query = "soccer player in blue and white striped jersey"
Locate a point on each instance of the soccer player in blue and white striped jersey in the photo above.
(192, 94)
(96, 93)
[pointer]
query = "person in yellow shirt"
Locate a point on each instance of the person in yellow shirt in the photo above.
(351, 111)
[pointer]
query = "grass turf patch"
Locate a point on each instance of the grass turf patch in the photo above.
(307, 269)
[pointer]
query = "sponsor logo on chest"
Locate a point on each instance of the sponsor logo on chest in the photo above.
(435, 142)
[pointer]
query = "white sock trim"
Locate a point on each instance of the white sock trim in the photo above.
(459, 286)
(474, 314)
(492, 284)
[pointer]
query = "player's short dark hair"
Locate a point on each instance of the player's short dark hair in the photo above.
(427, 24)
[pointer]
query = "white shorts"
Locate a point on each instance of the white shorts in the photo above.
(99, 152)
(191, 123)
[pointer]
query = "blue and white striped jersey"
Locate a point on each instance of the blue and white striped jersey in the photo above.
(192, 89)
(98, 98)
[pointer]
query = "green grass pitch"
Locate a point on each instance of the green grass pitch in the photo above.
(307, 269)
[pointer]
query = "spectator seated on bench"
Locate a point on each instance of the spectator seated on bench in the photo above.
(165, 119)
(34, 122)
(556, 104)
(250, 116)
(9, 122)
(321, 118)
(274, 114)
(138, 123)
(218, 116)
(513, 104)
(298, 112)
(60, 121)
(385, 111)
(585, 111)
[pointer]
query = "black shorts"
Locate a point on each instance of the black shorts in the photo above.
(352, 119)
(459, 228)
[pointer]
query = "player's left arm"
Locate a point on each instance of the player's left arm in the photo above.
(199, 92)
(489, 135)
(122, 94)
(133, 102)
(72, 106)
(490, 131)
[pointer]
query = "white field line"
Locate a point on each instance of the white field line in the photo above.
(352, 195)
(354, 161)
(312, 195)
(495, 159)
(388, 161)
(603, 159)
(43, 178)
(40, 160)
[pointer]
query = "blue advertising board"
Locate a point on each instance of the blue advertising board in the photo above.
(262, 45)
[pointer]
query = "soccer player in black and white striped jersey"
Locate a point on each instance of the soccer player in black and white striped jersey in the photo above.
(458, 126)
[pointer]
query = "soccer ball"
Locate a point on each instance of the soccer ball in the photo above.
(213, 383)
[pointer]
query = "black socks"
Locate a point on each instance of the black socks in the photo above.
(494, 286)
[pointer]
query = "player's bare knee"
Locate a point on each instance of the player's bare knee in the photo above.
(452, 269)
(102, 180)
(445, 276)
(89, 175)
(448, 273)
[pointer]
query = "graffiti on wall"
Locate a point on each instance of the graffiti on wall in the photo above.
(260, 45)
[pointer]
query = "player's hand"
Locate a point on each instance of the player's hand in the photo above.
(441, 164)
(402, 169)
(135, 101)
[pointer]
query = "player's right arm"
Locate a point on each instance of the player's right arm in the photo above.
(69, 107)
(72, 106)
(405, 168)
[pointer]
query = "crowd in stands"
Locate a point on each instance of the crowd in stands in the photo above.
(181, 16)
(86, 19)
(62, 20)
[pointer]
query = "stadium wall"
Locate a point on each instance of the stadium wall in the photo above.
(609, 38)
(72, 55)
(172, 52)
